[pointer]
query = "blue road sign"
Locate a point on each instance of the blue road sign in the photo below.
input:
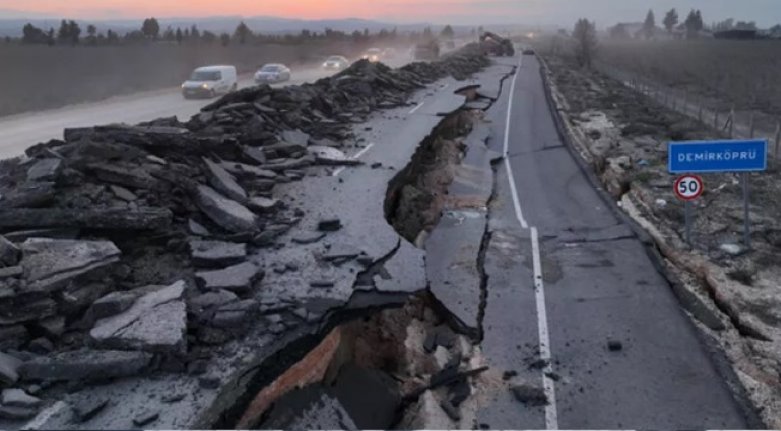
(717, 156)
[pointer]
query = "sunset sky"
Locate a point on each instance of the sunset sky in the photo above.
(765, 12)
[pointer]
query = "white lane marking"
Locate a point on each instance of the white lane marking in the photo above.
(551, 418)
(354, 157)
(513, 189)
(363, 151)
(40, 420)
(412, 111)
(551, 415)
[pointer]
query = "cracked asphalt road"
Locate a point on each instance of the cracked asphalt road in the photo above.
(565, 279)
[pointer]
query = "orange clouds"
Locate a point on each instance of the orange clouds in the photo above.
(307, 9)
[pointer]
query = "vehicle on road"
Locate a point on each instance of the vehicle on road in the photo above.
(272, 73)
(427, 51)
(372, 54)
(389, 53)
(336, 62)
(528, 51)
(493, 44)
(210, 81)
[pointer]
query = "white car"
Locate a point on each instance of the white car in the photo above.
(336, 62)
(210, 81)
(272, 73)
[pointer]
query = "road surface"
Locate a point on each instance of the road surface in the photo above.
(18, 132)
(582, 295)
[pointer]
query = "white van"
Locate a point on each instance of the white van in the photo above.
(210, 81)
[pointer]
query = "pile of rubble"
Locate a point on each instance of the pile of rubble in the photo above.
(124, 248)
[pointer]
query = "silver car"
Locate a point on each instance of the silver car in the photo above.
(336, 62)
(272, 73)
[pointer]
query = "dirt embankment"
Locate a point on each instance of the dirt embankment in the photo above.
(732, 291)
(42, 77)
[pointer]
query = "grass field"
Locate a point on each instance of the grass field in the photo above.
(40, 77)
(745, 73)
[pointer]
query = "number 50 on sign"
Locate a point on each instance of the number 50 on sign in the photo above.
(688, 187)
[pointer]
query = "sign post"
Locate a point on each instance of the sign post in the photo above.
(688, 188)
(725, 156)
(746, 229)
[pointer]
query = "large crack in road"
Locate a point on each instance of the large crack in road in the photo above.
(344, 261)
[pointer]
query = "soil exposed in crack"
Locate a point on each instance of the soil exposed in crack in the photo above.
(418, 193)
(367, 372)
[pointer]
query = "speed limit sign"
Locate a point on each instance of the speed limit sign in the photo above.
(688, 187)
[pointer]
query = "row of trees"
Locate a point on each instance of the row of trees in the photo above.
(70, 33)
(692, 26)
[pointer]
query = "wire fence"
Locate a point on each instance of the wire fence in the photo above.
(734, 124)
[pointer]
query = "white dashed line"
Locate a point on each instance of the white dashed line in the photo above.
(356, 156)
(363, 151)
(412, 111)
(551, 418)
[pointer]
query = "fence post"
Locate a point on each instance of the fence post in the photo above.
(716, 119)
(731, 121)
(751, 126)
(685, 99)
(778, 138)
(699, 112)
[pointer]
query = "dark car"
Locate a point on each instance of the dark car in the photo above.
(272, 73)
(528, 51)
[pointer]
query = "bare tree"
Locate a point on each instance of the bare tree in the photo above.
(585, 35)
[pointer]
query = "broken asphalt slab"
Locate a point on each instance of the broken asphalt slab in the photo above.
(363, 227)
(50, 263)
(156, 322)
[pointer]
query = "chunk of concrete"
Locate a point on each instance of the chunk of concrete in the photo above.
(249, 171)
(213, 299)
(264, 205)
(143, 218)
(217, 253)
(85, 364)
(19, 398)
(123, 193)
(88, 408)
(224, 182)
(112, 304)
(295, 137)
(9, 369)
(530, 395)
(11, 271)
(197, 228)
(50, 263)
(163, 329)
(228, 214)
(237, 278)
(331, 156)
(135, 177)
(156, 322)
(9, 252)
(17, 413)
(44, 169)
